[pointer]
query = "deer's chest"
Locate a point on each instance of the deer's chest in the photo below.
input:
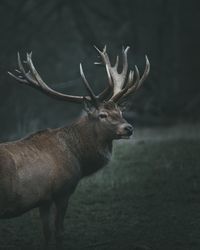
(95, 161)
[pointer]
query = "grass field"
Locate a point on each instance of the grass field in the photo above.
(147, 198)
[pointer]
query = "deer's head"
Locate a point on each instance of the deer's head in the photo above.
(103, 109)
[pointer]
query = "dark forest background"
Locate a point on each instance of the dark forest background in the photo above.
(61, 34)
(147, 198)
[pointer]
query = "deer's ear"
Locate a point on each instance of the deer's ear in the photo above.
(124, 105)
(88, 107)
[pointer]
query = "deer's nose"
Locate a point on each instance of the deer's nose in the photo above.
(129, 129)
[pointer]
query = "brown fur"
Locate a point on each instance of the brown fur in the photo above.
(43, 169)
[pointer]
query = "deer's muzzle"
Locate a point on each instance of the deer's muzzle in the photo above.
(125, 131)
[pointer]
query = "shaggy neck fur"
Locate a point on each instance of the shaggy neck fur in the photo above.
(90, 143)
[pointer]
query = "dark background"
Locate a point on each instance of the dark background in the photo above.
(62, 33)
(147, 198)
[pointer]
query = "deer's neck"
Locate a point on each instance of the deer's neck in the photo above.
(89, 144)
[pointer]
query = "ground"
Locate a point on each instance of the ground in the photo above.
(147, 198)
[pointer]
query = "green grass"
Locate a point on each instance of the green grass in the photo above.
(148, 197)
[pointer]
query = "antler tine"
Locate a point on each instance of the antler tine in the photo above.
(119, 78)
(125, 61)
(107, 91)
(116, 62)
(104, 56)
(33, 74)
(18, 78)
(146, 71)
(20, 65)
(130, 84)
(130, 78)
(88, 87)
(137, 84)
(133, 85)
(105, 60)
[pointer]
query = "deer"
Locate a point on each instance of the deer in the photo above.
(42, 170)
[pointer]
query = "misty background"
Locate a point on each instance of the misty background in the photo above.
(147, 198)
(61, 34)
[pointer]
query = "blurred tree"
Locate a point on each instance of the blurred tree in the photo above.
(61, 34)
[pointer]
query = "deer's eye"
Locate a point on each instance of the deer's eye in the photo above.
(103, 115)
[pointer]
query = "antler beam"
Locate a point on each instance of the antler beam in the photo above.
(34, 80)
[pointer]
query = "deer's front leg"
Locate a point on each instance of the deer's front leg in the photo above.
(46, 219)
(61, 207)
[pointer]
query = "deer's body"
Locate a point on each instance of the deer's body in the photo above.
(42, 170)
(49, 164)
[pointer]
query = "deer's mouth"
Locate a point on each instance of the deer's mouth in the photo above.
(123, 136)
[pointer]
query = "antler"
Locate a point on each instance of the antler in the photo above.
(120, 87)
(117, 88)
(33, 79)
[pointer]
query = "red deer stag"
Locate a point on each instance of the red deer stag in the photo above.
(43, 169)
